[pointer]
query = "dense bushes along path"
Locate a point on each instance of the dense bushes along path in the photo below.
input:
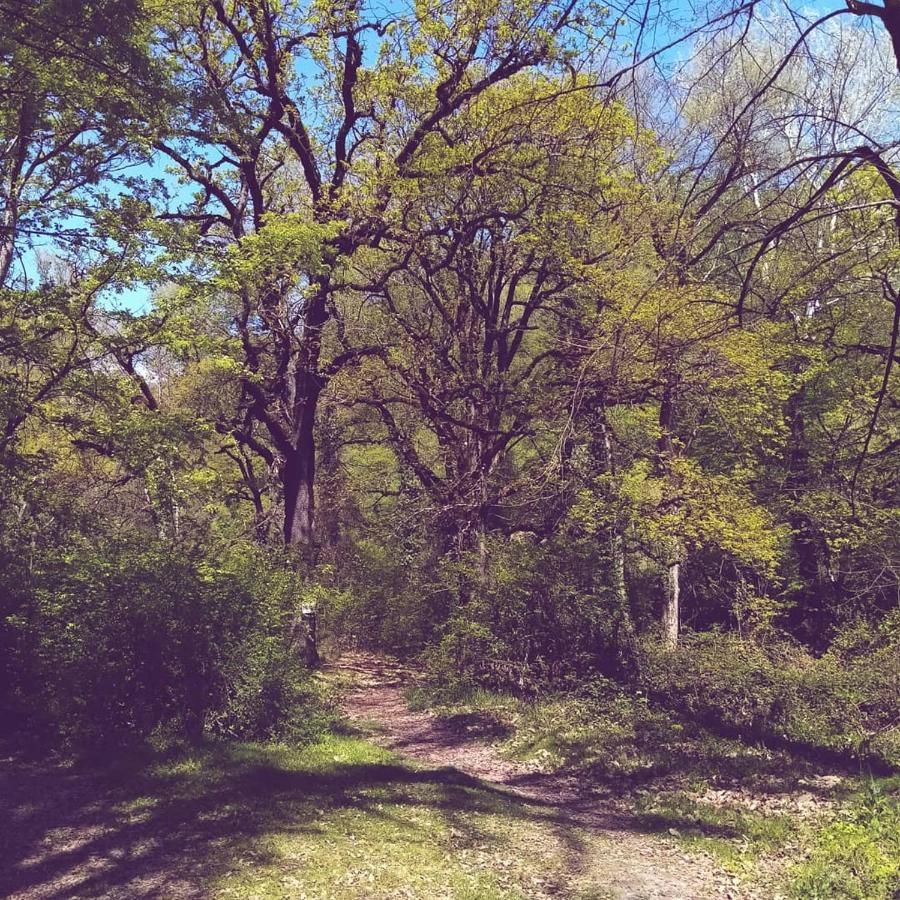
(608, 852)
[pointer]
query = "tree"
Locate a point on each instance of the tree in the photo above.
(77, 84)
(317, 115)
(889, 14)
(73, 80)
(468, 300)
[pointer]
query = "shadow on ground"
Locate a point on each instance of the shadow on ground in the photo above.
(170, 828)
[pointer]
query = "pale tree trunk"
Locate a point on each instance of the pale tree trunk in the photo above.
(482, 529)
(617, 554)
(671, 605)
(616, 544)
(673, 550)
(602, 451)
(154, 515)
(163, 504)
(7, 246)
(15, 152)
(174, 507)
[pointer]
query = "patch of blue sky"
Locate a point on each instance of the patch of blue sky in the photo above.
(40, 248)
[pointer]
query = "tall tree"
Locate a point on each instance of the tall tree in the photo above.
(319, 113)
(74, 80)
(77, 83)
(471, 295)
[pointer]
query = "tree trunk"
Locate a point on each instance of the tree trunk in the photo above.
(819, 593)
(670, 607)
(481, 528)
(298, 476)
(671, 585)
(626, 641)
(7, 248)
(303, 386)
(298, 479)
(9, 221)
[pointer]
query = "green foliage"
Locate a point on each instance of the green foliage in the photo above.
(856, 857)
(538, 616)
(81, 93)
(603, 728)
(715, 510)
(121, 642)
(393, 598)
(518, 318)
(274, 257)
(840, 702)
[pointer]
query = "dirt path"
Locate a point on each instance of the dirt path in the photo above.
(626, 862)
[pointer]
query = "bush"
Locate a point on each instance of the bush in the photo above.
(541, 617)
(122, 641)
(396, 598)
(858, 856)
(841, 703)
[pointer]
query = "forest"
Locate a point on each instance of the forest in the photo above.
(450, 449)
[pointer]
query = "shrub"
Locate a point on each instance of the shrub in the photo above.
(540, 617)
(124, 641)
(396, 598)
(838, 703)
(858, 856)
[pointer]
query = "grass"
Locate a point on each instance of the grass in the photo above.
(338, 819)
(342, 818)
(616, 736)
(382, 830)
(738, 838)
(856, 856)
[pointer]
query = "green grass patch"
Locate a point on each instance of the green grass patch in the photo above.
(767, 817)
(735, 836)
(856, 857)
(340, 818)
(617, 736)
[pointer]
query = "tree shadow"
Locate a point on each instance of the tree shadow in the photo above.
(153, 825)
(670, 753)
(151, 830)
(478, 725)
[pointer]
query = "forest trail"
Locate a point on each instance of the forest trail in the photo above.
(625, 861)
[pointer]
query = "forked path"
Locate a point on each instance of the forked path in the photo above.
(627, 863)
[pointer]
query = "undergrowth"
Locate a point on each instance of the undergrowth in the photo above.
(857, 856)
(615, 734)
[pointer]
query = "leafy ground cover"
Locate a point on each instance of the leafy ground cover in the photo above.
(340, 817)
(444, 812)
